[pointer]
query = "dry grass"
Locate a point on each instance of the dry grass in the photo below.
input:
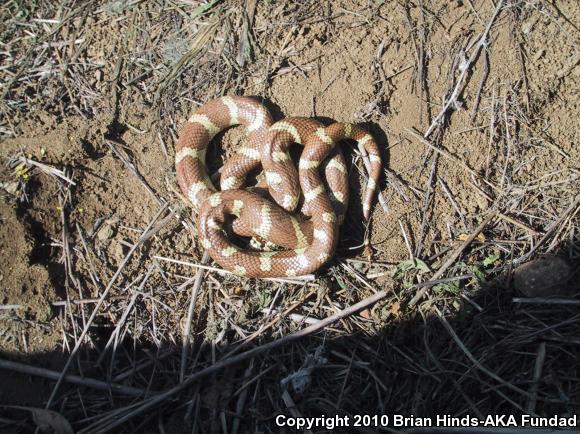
(180, 344)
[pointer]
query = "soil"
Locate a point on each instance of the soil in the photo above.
(337, 82)
(354, 67)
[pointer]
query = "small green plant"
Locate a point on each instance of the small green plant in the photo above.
(490, 260)
(22, 172)
(264, 298)
(411, 264)
(406, 270)
(17, 186)
(448, 288)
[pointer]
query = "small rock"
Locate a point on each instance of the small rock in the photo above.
(366, 314)
(528, 26)
(10, 187)
(105, 233)
(481, 202)
(543, 277)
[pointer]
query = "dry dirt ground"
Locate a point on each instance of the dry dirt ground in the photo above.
(475, 106)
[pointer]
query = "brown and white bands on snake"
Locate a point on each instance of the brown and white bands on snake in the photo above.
(311, 242)
(202, 126)
(293, 262)
(281, 176)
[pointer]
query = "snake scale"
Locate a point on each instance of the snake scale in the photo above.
(308, 238)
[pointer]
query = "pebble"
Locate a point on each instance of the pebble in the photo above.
(543, 277)
(528, 26)
(105, 233)
(10, 187)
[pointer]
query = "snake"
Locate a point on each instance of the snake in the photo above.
(295, 209)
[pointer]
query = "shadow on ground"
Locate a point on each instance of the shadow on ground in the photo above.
(486, 356)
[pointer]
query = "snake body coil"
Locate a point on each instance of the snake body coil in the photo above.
(308, 243)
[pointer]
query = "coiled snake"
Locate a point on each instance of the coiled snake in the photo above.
(308, 243)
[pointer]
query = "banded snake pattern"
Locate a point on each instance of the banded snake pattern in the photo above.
(308, 238)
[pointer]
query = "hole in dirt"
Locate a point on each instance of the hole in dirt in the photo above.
(42, 252)
(115, 131)
(91, 151)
